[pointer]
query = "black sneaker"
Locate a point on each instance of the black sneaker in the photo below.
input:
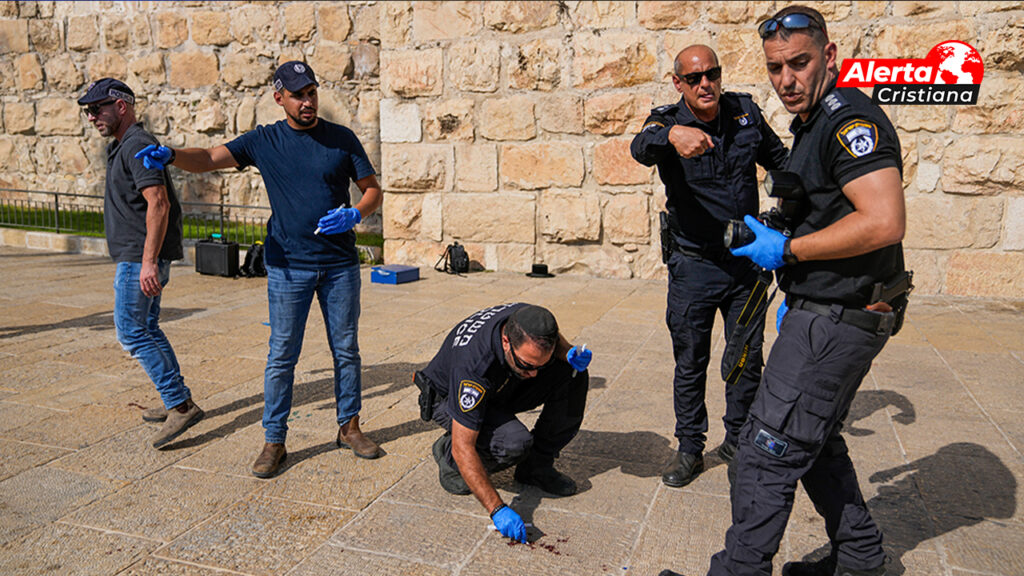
(824, 567)
(682, 469)
(727, 451)
(878, 571)
(546, 478)
(448, 476)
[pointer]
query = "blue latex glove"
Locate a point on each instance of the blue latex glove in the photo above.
(154, 157)
(510, 524)
(339, 220)
(780, 315)
(579, 358)
(766, 249)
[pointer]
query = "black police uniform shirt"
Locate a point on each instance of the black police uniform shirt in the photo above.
(845, 137)
(470, 368)
(307, 174)
(720, 184)
(125, 207)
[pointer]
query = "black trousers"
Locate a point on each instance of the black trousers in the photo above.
(698, 288)
(504, 441)
(793, 434)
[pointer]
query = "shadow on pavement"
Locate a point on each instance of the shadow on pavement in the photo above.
(96, 321)
(867, 402)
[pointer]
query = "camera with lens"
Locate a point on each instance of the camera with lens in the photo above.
(788, 189)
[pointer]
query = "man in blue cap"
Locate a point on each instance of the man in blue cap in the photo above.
(307, 164)
(142, 221)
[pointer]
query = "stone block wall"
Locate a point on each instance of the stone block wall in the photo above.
(506, 125)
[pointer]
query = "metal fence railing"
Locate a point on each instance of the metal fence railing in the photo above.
(69, 213)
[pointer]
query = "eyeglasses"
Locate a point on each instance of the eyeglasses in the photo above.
(522, 365)
(94, 109)
(693, 78)
(795, 21)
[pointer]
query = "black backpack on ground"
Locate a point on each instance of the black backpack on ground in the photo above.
(455, 260)
(253, 265)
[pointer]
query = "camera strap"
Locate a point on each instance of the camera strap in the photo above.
(736, 357)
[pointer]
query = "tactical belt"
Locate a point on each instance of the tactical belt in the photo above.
(877, 322)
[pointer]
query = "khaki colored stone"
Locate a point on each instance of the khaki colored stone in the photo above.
(612, 60)
(674, 43)
(999, 108)
(570, 216)
(333, 23)
(443, 20)
(209, 117)
(739, 12)
(211, 28)
(627, 219)
(1013, 225)
(8, 9)
(508, 217)
(507, 119)
(13, 36)
(560, 114)
(332, 62)
(366, 22)
(1002, 48)
(474, 66)
(991, 7)
(30, 73)
(299, 21)
(399, 121)
(984, 165)
(267, 110)
(245, 69)
(871, 10)
(149, 69)
(412, 252)
(253, 22)
(476, 168)
(58, 116)
(615, 166)
(82, 33)
(929, 268)
(661, 15)
(518, 16)
(401, 215)
(600, 261)
(541, 165)
(19, 117)
(832, 11)
(412, 73)
(45, 35)
(538, 66)
(450, 120)
(106, 65)
(985, 275)
(335, 106)
(915, 41)
(616, 113)
(396, 24)
(848, 39)
(933, 216)
(70, 157)
(741, 56)
(140, 29)
(602, 14)
(365, 61)
(171, 29)
(116, 33)
(192, 69)
(925, 9)
(931, 118)
(245, 115)
(417, 166)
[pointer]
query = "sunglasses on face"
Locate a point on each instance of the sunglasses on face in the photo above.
(794, 21)
(523, 365)
(693, 78)
(94, 109)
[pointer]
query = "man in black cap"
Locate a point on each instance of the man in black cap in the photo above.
(142, 222)
(307, 164)
(493, 365)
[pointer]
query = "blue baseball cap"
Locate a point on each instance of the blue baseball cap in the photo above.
(294, 76)
(106, 89)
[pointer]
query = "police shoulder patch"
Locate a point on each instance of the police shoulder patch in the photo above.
(858, 137)
(470, 395)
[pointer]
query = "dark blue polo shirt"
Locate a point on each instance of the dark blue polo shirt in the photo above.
(307, 173)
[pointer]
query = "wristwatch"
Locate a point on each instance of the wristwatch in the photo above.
(788, 257)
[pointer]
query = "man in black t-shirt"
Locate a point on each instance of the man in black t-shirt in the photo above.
(497, 363)
(142, 222)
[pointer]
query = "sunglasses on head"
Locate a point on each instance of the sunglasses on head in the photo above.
(523, 365)
(795, 21)
(693, 78)
(94, 109)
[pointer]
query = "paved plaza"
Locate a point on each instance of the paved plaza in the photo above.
(936, 433)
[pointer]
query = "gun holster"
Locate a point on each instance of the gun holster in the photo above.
(668, 241)
(896, 293)
(427, 396)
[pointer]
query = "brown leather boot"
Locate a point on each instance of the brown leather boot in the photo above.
(179, 419)
(269, 461)
(350, 436)
(154, 414)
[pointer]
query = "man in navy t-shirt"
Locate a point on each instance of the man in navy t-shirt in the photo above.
(307, 164)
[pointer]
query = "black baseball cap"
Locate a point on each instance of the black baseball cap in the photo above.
(106, 89)
(294, 76)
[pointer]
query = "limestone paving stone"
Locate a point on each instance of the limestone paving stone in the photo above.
(258, 536)
(421, 488)
(990, 377)
(80, 428)
(236, 453)
(681, 533)
(16, 457)
(45, 551)
(400, 431)
(73, 392)
(987, 546)
(14, 416)
(607, 488)
(330, 560)
(152, 566)
(126, 456)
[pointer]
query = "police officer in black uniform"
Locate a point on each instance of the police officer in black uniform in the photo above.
(845, 286)
(706, 147)
(493, 365)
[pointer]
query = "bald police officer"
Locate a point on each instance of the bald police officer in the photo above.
(497, 363)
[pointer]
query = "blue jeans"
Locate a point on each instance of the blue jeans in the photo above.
(137, 319)
(290, 293)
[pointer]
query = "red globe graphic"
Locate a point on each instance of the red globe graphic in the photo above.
(956, 63)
